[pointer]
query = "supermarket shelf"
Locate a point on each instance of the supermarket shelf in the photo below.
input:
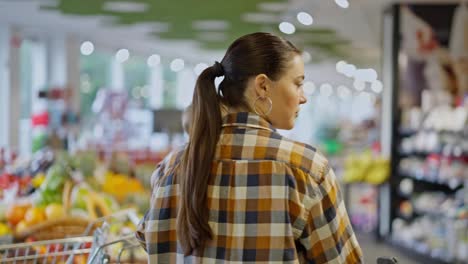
(433, 182)
(426, 154)
(407, 132)
(434, 214)
(417, 255)
(418, 154)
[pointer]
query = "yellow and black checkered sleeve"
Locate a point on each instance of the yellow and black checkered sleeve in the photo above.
(327, 235)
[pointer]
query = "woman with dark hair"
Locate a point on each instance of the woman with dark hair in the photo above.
(239, 191)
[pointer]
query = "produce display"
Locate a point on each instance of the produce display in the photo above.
(55, 186)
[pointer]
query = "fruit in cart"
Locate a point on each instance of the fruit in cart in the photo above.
(110, 202)
(80, 213)
(46, 197)
(3, 211)
(80, 259)
(96, 206)
(34, 216)
(16, 213)
(30, 239)
(120, 186)
(6, 180)
(85, 162)
(54, 211)
(38, 180)
(55, 178)
(66, 199)
(21, 226)
(63, 158)
(56, 248)
(4, 229)
(79, 195)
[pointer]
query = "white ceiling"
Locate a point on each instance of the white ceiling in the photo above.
(360, 23)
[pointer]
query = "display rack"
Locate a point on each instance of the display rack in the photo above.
(391, 196)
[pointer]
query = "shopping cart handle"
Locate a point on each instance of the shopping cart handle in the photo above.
(387, 260)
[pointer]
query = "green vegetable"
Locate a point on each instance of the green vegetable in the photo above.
(47, 197)
(85, 162)
(78, 196)
(55, 178)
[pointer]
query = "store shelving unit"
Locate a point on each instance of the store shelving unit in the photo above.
(390, 195)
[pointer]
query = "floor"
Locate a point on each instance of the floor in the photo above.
(372, 250)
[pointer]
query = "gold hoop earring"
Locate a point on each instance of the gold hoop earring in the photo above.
(263, 98)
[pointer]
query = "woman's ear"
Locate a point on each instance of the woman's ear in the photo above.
(262, 85)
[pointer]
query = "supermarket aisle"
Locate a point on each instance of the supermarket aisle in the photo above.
(373, 250)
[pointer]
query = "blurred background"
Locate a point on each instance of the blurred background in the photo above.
(92, 95)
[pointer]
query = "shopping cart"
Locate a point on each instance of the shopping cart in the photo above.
(90, 249)
(87, 249)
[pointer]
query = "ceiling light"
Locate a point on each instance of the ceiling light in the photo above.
(305, 18)
(306, 57)
(287, 28)
(309, 88)
(342, 3)
(87, 48)
(153, 60)
(377, 86)
(340, 66)
(122, 55)
(349, 70)
(359, 85)
(199, 68)
(210, 25)
(177, 65)
(326, 89)
(367, 75)
(125, 7)
(343, 92)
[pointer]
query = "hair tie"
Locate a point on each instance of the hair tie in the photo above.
(218, 69)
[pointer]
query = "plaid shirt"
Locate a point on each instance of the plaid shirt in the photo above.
(271, 200)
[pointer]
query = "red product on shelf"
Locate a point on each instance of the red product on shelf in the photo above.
(41, 119)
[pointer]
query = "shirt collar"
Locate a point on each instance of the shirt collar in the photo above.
(246, 119)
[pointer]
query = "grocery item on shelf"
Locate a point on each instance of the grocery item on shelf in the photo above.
(437, 169)
(438, 237)
(434, 223)
(361, 204)
(443, 118)
(366, 167)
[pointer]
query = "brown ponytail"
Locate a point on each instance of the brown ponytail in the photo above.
(192, 222)
(248, 56)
